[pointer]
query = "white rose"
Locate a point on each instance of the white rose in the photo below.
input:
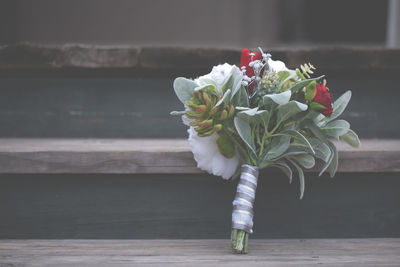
(277, 65)
(219, 75)
(208, 157)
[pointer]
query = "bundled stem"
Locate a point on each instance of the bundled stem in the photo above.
(242, 214)
(239, 241)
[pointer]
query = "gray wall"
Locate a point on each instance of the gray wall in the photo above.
(227, 23)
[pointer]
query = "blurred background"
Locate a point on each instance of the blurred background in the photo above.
(207, 23)
(78, 77)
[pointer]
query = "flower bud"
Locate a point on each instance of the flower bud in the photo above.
(231, 111)
(206, 123)
(201, 108)
(218, 127)
(224, 115)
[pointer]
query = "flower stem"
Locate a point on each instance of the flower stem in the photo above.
(239, 241)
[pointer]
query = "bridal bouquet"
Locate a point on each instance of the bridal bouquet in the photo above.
(261, 115)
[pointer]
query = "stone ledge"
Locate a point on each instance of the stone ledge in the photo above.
(30, 155)
(28, 56)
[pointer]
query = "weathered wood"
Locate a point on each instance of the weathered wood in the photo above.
(155, 156)
(197, 206)
(328, 58)
(269, 252)
(140, 108)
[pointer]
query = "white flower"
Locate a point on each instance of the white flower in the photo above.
(218, 75)
(277, 65)
(209, 158)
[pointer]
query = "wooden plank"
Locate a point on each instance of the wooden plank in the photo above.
(33, 155)
(84, 56)
(195, 206)
(267, 252)
(140, 108)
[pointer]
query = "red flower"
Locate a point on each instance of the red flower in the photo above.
(322, 97)
(245, 59)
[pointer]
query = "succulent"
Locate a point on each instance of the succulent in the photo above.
(207, 113)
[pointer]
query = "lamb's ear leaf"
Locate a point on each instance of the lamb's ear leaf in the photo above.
(184, 88)
(299, 137)
(225, 98)
(279, 145)
(237, 77)
(300, 85)
(351, 138)
(301, 177)
(244, 130)
(240, 99)
(289, 109)
(305, 160)
(280, 99)
(333, 166)
(283, 166)
(339, 106)
(177, 113)
(336, 128)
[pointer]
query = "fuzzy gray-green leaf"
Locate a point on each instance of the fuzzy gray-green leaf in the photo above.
(289, 109)
(280, 99)
(339, 106)
(305, 160)
(351, 138)
(184, 88)
(244, 130)
(301, 178)
(336, 128)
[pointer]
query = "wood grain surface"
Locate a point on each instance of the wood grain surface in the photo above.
(274, 252)
(35, 155)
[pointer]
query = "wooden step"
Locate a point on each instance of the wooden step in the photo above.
(263, 252)
(32, 155)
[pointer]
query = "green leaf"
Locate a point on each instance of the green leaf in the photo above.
(240, 99)
(328, 163)
(285, 168)
(248, 115)
(280, 99)
(237, 77)
(336, 128)
(177, 113)
(292, 151)
(339, 106)
(351, 138)
(321, 149)
(225, 145)
(224, 98)
(305, 160)
(262, 115)
(333, 166)
(285, 76)
(205, 81)
(207, 87)
(289, 109)
(301, 178)
(298, 136)
(279, 145)
(316, 130)
(184, 88)
(244, 130)
(300, 85)
(317, 106)
(310, 90)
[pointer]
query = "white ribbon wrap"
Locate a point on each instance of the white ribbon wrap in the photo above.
(242, 214)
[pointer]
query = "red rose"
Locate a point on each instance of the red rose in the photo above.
(321, 100)
(245, 59)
